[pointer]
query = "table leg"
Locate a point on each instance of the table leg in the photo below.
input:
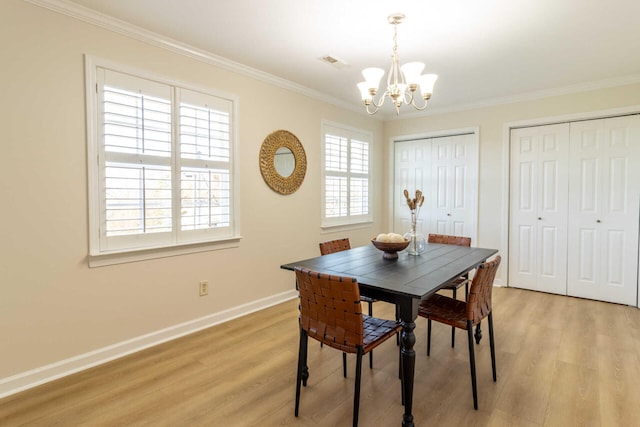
(478, 333)
(408, 315)
(408, 370)
(304, 339)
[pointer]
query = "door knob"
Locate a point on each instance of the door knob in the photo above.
(539, 218)
(598, 221)
(448, 214)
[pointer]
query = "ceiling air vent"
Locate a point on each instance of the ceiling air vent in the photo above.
(334, 62)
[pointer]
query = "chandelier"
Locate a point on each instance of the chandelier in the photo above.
(402, 82)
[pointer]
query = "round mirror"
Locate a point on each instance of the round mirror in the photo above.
(283, 162)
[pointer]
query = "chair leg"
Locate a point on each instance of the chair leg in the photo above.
(472, 364)
(453, 328)
(428, 337)
(493, 347)
(356, 395)
(401, 376)
(301, 362)
(371, 352)
(397, 319)
(344, 364)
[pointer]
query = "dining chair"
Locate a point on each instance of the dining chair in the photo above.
(340, 245)
(458, 282)
(465, 315)
(331, 312)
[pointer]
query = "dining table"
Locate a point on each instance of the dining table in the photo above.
(404, 281)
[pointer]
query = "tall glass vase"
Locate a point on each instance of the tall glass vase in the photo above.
(417, 242)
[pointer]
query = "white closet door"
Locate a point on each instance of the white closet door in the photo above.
(452, 198)
(412, 166)
(538, 211)
(604, 209)
(446, 170)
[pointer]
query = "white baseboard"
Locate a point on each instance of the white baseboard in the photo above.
(34, 377)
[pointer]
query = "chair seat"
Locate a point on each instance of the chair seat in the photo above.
(375, 332)
(445, 310)
(456, 283)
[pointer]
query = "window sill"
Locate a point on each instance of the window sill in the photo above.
(163, 252)
(345, 227)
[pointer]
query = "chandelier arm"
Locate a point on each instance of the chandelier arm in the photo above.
(380, 100)
(371, 112)
(408, 101)
(413, 103)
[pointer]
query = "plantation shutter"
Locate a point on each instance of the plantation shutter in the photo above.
(136, 198)
(346, 176)
(165, 166)
(205, 163)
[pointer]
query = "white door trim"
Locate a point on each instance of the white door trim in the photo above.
(506, 158)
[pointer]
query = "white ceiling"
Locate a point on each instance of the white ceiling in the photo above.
(485, 51)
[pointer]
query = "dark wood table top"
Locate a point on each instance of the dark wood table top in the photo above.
(408, 276)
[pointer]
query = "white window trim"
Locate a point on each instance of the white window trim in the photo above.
(350, 221)
(96, 256)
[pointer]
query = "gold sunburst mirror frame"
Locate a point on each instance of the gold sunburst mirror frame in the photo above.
(283, 143)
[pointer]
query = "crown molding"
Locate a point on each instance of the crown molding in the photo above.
(127, 29)
(527, 96)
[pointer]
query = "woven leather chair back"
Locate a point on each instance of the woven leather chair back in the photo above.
(479, 301)
(330, 309)
(333, 246)
(449, 240)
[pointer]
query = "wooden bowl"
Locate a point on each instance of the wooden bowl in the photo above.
(390, 250)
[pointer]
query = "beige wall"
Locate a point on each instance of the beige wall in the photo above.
(54, 307)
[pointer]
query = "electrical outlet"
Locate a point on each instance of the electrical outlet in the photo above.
(204, 288)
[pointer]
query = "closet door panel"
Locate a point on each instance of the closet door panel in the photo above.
(552, 208)
(605, 209)
(615, 266)
(526, 260)
(454, 163)
(539, 185)
(411, 170)
(549, 257)
(459, 198)
(460, 228)
(588, 255)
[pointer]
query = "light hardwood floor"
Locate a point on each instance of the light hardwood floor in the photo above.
(561, 362)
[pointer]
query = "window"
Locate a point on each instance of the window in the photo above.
(346, 180)
(161, 161)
